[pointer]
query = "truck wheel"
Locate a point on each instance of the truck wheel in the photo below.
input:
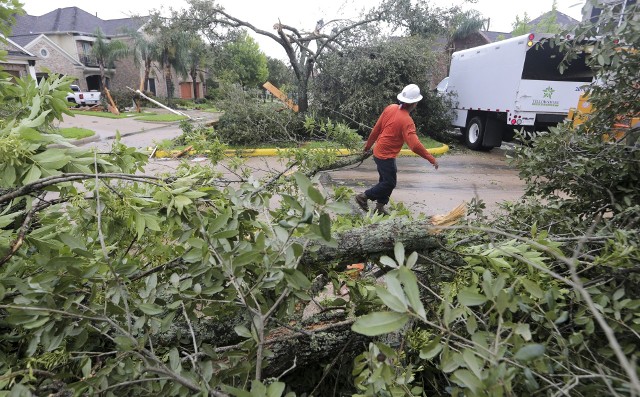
(474, 133)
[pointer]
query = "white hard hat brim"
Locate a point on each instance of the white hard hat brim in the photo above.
(404, 99)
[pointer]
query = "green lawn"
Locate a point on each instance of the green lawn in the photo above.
(161, 117)
(75, 133)
(107, 115)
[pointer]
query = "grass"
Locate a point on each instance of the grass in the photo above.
(429, 143)
(75, 133)
(161, 117)
(107, 115)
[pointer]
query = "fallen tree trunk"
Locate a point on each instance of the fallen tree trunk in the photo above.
(357, 245)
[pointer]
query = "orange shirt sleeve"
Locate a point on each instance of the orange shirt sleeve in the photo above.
(411, 138)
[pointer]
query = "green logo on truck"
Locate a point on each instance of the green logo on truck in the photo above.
(548, 92)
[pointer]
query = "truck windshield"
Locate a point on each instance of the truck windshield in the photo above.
(541, 63)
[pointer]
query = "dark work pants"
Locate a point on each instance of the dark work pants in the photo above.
(387, 170)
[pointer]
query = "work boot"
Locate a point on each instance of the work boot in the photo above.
(380, 209)
(361, 200)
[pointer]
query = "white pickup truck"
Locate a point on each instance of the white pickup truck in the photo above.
(81, 98)
(511, 84)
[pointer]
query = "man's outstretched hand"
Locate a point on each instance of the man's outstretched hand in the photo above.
(436, 165)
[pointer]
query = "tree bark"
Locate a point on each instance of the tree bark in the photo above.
(374, 240)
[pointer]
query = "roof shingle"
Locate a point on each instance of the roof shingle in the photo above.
(72, 20)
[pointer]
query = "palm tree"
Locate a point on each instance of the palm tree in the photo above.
(172, 49)
(146, 50)
(194, 59)
(106, 52)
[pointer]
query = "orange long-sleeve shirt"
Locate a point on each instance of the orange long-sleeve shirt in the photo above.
(393, 128)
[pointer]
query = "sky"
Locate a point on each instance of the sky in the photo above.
(304, 13)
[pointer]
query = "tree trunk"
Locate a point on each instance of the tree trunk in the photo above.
(194, 79)
(169, 82)
(374, 240)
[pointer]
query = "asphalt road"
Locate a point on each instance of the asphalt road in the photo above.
(462, 175)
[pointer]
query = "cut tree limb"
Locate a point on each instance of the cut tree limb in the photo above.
(374, 240)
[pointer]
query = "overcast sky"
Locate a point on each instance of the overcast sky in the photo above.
(304, 13)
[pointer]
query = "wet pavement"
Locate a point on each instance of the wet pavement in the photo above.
(462, 176)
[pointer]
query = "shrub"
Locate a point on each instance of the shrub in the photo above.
(356, 85)
(125, 99)
(247, 121)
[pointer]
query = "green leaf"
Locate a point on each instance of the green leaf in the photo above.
(398, 251)
(297, 279)
(8, 175)
(467, 379)
(245, 258)
(243, 331)
(73, 242)
(32, 175)
(529, 352)
(523, 330)
(225, 234)
(532, 288)
(275, 389)
(180, 202)
(431, 349)
(140, 223)
(303, 182)
(219, 222)
(394, 286)
(151, 309)
(385, 260)
(379, 323)
(410, 282)
(325, 226)
(6, 220)
(52, 159)
(474, 363)
(315, 195)
(469, 297)
(411, 260)
(392, 302)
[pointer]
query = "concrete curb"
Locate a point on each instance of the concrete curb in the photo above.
(276, 152)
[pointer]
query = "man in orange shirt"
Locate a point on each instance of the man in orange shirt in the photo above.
(393, 128)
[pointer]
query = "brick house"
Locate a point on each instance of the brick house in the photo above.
(62, 40)
(18, 62)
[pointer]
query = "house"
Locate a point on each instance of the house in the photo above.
(62, 40)
(18, 62)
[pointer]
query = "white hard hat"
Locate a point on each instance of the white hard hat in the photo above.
(410, 94)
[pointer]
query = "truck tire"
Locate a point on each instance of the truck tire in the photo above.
(474, 133)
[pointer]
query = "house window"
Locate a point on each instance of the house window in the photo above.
(44, 52)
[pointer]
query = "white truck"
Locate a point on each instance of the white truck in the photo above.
(511, 84)
(83, 98)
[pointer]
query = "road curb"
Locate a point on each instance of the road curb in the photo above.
(276, 152)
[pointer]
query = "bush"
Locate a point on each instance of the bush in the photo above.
(125, 99)
(247, 121)
(356, 85)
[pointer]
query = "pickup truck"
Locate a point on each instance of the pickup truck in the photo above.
(81, 98)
